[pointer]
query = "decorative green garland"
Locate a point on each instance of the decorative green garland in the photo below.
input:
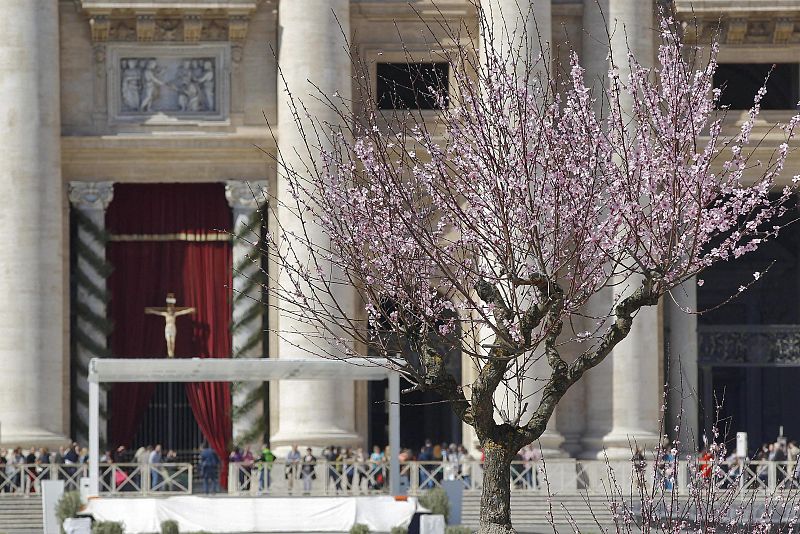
(242, 300)
(85, 320)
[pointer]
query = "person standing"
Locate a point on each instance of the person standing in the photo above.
(465, 460)
(348, 469)
(248, 461)
(426, 467)
(292, 467)
(308, 471)
(155, 474)
(267, 459)
(209, 468)
(531, 455)
(235, 460)
(331, 455)
(376, 461)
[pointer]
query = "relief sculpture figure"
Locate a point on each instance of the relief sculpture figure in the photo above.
(188, 90)
(131, 85)
(206, 81)
(150, 85)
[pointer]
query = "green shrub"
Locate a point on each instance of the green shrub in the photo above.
(436, 501)
(457, 529)
(359, 528)
(398, 530)
(68, 506)
(107, 527)
(170, 526)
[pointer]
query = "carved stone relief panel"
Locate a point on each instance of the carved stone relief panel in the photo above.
(168, 83)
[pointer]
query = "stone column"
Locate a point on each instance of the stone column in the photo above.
(624, 392)
(519, 27)
(245, 198)
(33, 398)
(598, 381)
(312, 52)
(92, 327)
(636, 360)
(522, 29)
(681, 355)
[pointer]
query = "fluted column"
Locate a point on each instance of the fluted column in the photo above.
(33, 396)
(245, 199)
(681, 352)
(312, 53)
(91, 327)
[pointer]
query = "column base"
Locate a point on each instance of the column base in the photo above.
(33, 437)
(572, 445)
(620, 444)
(550, 443)
(281, 442)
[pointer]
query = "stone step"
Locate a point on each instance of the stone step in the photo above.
(529, 511)
(21, 515)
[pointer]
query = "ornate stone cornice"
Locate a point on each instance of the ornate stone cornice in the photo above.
(743, 30)
(737, 22)
(91, 195)
(246, 195)
(169, 21)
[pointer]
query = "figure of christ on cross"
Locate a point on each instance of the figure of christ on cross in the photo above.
(169, 313)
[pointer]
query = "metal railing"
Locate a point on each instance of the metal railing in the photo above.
(557, 476)
(363, 478)
(115, 479)
(360, 478)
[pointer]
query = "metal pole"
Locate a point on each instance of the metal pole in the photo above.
(94, 436)
(394, 433)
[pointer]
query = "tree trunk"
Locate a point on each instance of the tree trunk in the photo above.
(495, 515)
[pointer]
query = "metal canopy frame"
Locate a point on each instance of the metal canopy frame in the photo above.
(111, 370)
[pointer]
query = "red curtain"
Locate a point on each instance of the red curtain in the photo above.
(199, 273)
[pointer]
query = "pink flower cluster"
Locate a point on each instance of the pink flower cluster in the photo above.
(538, 184)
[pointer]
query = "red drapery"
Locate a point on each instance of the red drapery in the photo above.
(198, 272)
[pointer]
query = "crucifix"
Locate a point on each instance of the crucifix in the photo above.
(169, 313)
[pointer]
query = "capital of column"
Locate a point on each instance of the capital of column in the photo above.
(246, 195)
(91, 195)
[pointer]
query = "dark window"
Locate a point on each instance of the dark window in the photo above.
(412, 85)
(741, 81)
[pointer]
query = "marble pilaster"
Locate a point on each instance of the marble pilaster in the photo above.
(245, 199)
(313, 59)
(33, 401)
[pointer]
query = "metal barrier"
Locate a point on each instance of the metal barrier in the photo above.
(556, 476)
(362, 478)
(115, 479)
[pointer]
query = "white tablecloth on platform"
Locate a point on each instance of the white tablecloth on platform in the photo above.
(264, 514)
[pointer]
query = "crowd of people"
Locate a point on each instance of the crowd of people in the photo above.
(348, 469)
(69, 458)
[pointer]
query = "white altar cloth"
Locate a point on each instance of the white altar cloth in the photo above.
(253, 514)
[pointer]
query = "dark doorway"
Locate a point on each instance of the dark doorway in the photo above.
(412, 85)
(423, 415)
(757, 400)
(741, 81)
(169, 420)
(749, 365)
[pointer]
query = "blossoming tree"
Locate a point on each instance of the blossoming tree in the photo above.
(493, 226)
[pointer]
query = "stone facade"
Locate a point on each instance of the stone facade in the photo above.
(153, 91)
